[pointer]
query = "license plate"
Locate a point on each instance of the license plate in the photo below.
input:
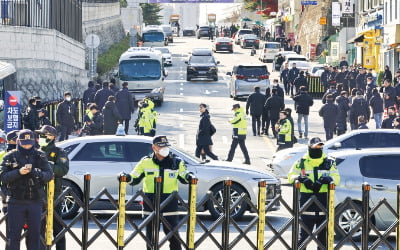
(223, 47)
(202, 72)
(250, 41)
(252, 79)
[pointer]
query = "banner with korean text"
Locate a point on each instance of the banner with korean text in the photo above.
(12, 111)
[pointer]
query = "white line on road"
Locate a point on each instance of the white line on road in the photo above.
(207, 92)
(180, 89)
(182, 141)
(181, 83)
(181, 125)
(181, 110)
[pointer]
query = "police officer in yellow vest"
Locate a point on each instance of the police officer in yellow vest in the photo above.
(284, 129)
(148, 118)
(161, 163)
(239, 124)
(314, 171)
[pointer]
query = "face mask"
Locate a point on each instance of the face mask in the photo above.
(315, 152)
(43, 142)
(68, 99)
(164, 152)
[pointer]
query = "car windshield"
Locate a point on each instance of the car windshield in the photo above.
(187, 155)
(272, 46)
(204, 28)
(315, 69)
(202, 59)
(131, 70)
(242, 32)
(249, 36)
(252, 70)
(302, 64)
(163, 50)
(297, 59)
(153, 37)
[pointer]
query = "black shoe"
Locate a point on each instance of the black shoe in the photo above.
(259, 133)
(246, 162)
(301, 135)
(254, 134)
(227, 160)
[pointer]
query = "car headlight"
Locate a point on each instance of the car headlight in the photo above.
(213, 68)
(156, 90)
(191, 68)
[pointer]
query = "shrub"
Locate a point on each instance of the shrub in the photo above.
(107, 61)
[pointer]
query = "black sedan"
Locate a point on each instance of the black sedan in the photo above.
(222, 44)
(249, 40)
(189, 31)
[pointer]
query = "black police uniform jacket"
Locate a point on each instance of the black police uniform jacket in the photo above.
(29, 187)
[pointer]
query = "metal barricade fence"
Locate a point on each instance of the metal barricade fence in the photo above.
(315, 88)
(267, 235)
(51, 108)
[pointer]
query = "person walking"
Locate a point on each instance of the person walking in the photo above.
(265, 120)
(256, 103)
(387, 74)
(239, 124)
(300, 81)
(95, 124)
(376, 103)
(325, 78)
(303, 102)
(59, 163)
(387, 123)
(314, 171)
(66, 116)
(396, 123)
(111, 116)
(279, 91)
(171, 169)
(343, 62)
(329, 113)
(358, 107)
(25, 171)
(43, 117)
(361, 80)
(30, 119)
(147, 118)
(343, 108)
(389, 94)
(351, 78)
(292, 75)
(284, 130)
(89, 93)
(126, 105)
(102, 95)
(285, 79)
(274, 105)
(297, 48)
(331, 91)
(204, 134)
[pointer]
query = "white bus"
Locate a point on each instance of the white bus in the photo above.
(154, 37)
(144, 71)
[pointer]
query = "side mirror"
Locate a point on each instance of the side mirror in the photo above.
(229, 73)
(337, 145)
(186, 62)
(218, 62)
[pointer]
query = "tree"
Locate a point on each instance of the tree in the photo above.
(123, 3)
(151, 13)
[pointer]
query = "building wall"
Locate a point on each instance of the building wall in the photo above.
(391, 55)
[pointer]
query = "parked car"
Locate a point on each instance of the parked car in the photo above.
(166, 55)
(202, 31)
(202, 64)
(189, 31)
(276, 66)
(244, 77)
(283, 160)
(268, 51)
(314, 70)
(105, 156)
(168, 32)
(249, 40)
(240, 33)
(301, 65)
(380, 169)
(290, 58)
(222, 44)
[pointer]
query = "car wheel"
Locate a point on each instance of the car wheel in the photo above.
(231, 51)
(347, 220)
(69, 206)
(215, 78)
(236, 191)
(188, 79)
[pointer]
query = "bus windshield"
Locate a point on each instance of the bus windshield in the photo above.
(153, 37)
(139, 70)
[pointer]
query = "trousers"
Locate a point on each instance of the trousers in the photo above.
(207, 151)
(126, 124)
(256, 124)
(241, 142)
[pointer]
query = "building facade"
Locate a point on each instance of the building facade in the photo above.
(391, 34)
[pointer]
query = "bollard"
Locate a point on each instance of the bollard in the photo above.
(85, 217)
(398, 218)
(192, 214)
(50, 214)
(121, 215)
(156, 221)
(227, 213)
(262, 196)
(296, 214)
(365, 207)
(331, 217)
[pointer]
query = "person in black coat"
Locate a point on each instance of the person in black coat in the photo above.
(331, 91)
(389, 94)
(126, 105)
(351, 78)
(203, 136)
(275, 85)
(325, 78)
(101, 95)
(343, 108)
(376, 103)
(329, 113)
(388, 122)
(332, 75)
(30, 119)
(300, 81)
(340, 76)
(387, 74)
(285, 79)
(89, 93)
(256, 103)
(265, 120)
(293, 74)
(368, 88)
(361, 80)
(43, 117)
(96, 123)
(274, 105)
(112, 117)
(343, 62)
(358, 107)
(396, 123)
(67, 116)
(303, 102)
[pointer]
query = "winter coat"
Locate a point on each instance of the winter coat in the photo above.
(376, 103)
(359, 107)
(340, 77)
(279, 91)
(361, 81)
(331, 91)
(256, 103)
(343, 107)
(388, 122)
(389, 93)
(387, 75)
(329, 114)
(88, 95)
(111, 117)
(203, 136)
(31, 118)
(274, 105)
(325, 78)
(362, 126)
(293, 74)
(332, 77)
(125, 103)
(67, 114)
(96, 126)
(101, 97)
(300, 81)
(284, 76)
(303, 102)
(44, 121)
(368, 91)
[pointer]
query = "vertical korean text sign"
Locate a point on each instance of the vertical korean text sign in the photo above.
(12, 111)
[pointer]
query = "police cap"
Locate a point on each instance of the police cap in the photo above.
(12, 135)
(235, 106)
(26, 137)
(161, 141)
(315, 141)
(47, 129)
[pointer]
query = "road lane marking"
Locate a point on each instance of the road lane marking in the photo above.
(207, 92)
(270, 145)
(182, 141)
(181, 89)
(181, 83)
(181, 125)
(181, 110)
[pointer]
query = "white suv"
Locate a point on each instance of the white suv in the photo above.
(268, 51)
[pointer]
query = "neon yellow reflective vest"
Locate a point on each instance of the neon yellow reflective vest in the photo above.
(149, 118)
(147, 170)
(239, 122)
(286, 129)
(326, 167)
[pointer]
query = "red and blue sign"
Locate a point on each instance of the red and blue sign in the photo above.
(12, 111)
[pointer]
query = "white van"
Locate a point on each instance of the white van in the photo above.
(143, 69)
(268, 51)
(154, 37)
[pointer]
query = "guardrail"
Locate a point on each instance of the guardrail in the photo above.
(259, 223)
(315, 88)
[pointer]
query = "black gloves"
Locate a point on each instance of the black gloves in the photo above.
(190, 176)
(306, 181)
(122, 174)
(325, 179)
(317, 186)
